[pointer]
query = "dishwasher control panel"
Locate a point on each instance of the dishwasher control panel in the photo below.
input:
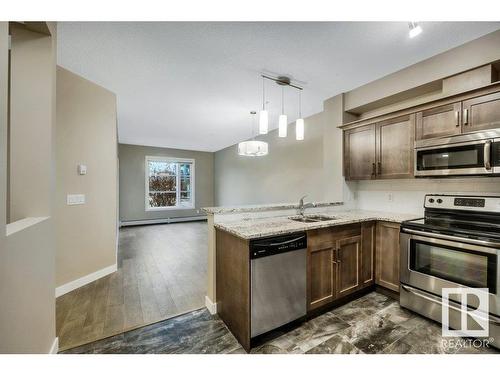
(264, 247)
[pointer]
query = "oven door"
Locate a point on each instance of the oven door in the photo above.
(430, 263)
(466, 158)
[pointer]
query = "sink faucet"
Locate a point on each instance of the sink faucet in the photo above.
(302, 206)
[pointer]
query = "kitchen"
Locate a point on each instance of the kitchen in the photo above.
(223, 188)
(341, 252)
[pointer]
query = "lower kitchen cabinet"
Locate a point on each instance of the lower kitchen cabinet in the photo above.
(340, 262)
(348, 262)
(321, 274)
(387, 255)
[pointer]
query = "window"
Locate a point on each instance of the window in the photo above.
(169, 183)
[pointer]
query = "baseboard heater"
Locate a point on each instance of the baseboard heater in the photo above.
(162, 221)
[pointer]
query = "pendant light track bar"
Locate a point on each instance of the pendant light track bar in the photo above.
(284, 81)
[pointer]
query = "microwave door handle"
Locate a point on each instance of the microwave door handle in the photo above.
(487, 155)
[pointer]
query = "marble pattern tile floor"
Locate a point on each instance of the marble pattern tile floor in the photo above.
(373, 323)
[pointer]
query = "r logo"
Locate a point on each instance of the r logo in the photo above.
(466, 321)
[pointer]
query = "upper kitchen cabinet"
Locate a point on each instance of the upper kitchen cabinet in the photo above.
(395, 139)
(359, 153)
(439, 121)
(481, 113)
(383, 150)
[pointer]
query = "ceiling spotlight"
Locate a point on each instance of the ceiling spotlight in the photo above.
(415, 29)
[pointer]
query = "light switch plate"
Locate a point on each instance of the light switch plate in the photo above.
(73, 199)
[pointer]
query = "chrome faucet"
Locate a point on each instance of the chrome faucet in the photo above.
(302, 206)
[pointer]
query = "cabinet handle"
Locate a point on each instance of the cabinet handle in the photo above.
(337, 255)
(466, 116)
(457, 118)
(373, 169)
(379, 167)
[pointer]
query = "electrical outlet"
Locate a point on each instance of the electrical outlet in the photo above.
(390, 197)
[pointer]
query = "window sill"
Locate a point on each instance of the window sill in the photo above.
(172, 208)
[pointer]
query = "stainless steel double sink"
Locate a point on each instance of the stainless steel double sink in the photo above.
(312, 218)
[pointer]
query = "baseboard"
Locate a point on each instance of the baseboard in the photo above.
(211, 306)
(162, 221)
(55, 346)
(75, 284)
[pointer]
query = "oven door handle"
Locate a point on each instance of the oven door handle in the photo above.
(439, 300)
(454, 239)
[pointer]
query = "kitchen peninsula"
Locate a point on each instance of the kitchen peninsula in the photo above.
(340, 253)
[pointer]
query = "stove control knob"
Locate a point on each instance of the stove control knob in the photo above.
(439, 200)
(431, 200)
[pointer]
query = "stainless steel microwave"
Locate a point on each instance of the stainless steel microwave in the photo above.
(461, 155)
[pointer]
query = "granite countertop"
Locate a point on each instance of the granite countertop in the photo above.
(263, 207)
(269, 226)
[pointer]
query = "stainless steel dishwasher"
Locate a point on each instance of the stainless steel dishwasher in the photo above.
(278, 281)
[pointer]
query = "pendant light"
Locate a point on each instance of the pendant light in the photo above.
(264, 115)
(299, 124)
(253, 147)
(282, 122)
(415, 29)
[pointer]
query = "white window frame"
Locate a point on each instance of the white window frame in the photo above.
(178, 184)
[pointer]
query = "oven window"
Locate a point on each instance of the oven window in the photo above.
(477, 270)
(469, 156)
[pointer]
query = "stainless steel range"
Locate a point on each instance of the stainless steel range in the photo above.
(456, 244)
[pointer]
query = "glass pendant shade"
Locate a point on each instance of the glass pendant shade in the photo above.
(299, 129)
(252, 148)
(282, 126)
(263, 122)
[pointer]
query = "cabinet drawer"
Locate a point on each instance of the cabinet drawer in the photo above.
(319, 238)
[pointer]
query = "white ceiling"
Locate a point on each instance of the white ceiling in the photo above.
(192, 85)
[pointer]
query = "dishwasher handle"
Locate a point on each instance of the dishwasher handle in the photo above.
(276, 245)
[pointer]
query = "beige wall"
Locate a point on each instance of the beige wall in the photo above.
(27, 249)
(290, 170)
(86, 234)
(132, 182)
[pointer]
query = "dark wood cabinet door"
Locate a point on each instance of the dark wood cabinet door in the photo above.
(368, 238)
(348, 261)
(395, 138)
(481, 113)
(439, 121)
(359, 153)
(321, 275)
(387, 255)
